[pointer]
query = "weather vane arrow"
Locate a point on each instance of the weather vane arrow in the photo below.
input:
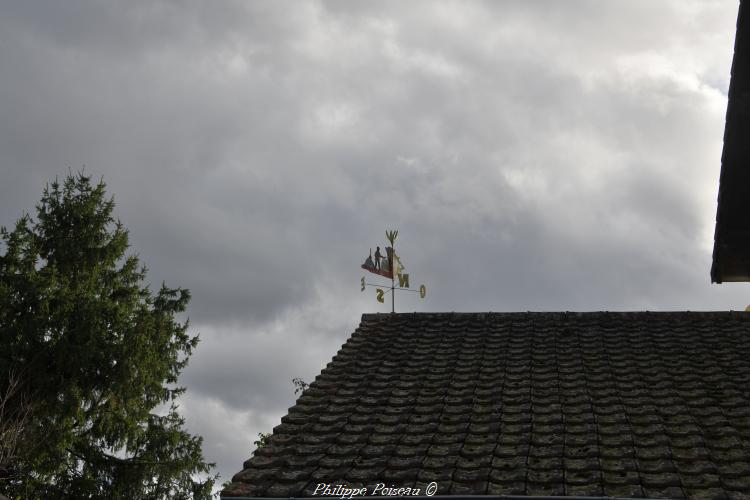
(389, 266)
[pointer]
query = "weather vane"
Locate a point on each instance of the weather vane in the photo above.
(389, 266)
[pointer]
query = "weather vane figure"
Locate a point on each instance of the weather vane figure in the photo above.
(389, 266)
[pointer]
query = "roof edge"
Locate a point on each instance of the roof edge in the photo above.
(456, 497)
(369, 316)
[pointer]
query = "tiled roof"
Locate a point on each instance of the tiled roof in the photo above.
(731, 258)
(628, 404)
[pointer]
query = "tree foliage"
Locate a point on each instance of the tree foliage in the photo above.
(99, 354)
(300, 385)
(262, 440)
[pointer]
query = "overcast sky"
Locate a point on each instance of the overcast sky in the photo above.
(532, 155)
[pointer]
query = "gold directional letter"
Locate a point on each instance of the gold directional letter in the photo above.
(379, 295)
(403, 280)
(422, 291)
(363, 284)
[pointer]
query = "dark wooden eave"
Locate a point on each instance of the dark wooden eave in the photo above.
(731, 257)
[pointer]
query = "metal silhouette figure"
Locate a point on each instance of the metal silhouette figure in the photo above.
(377, 258)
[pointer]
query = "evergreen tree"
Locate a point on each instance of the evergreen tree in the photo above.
(92, 357)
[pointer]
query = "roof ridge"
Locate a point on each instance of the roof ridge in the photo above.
(481, 314)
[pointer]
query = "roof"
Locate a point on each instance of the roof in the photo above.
(627, 404)
(731, 257)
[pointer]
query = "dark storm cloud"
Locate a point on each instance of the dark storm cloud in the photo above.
(534, 155)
